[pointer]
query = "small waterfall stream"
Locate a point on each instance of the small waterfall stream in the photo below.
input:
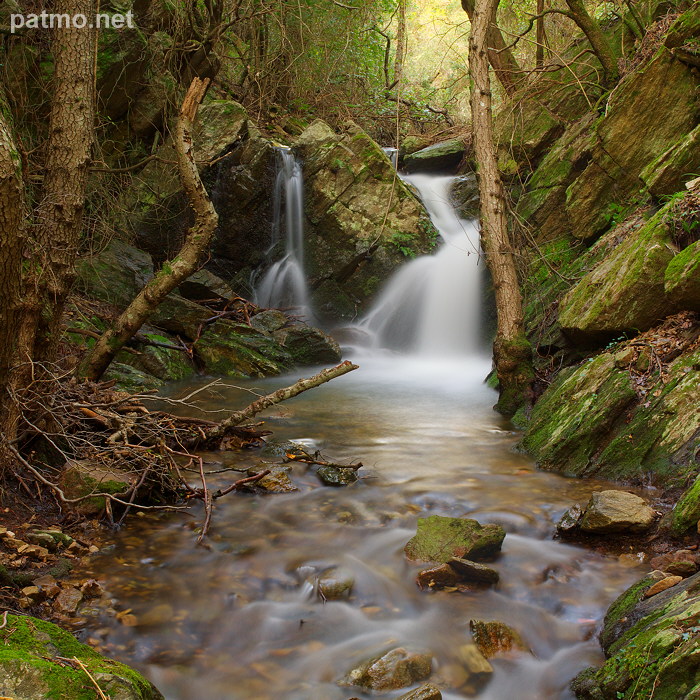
(242, 620)
(431, 306)
(283, 285)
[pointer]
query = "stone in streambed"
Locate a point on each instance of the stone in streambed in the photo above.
(394, 669)
(663, 585)
(335, 476)
(440, 538)
(494, 638)
(617, 511)
(425, 692)
(443, 576)
(682, 562)
(335, 584)
(570, 521)
(277, 481)
(472, 571)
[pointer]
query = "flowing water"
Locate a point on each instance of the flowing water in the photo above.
(283, 285)
(242, 618)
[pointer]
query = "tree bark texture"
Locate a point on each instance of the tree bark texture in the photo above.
(54, 234)
(512, 352)
(400, 41)
(501, 58)
(185, 263)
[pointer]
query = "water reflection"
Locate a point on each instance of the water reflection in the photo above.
(242, 620)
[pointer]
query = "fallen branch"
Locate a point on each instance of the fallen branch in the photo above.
(278, 396)
(308, 459)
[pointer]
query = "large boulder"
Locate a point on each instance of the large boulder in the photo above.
(591, 421)
(624, 293)
(686, 512)
(617, 512)
(362, 221)
(443, 157)
(39, 660)
(650, 643)
(441, 539)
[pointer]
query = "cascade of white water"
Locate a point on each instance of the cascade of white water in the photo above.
(431, 306)
(284, 284)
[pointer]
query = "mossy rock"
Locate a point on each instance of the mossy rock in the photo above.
(181, 316)
(130, 378)
(576, 412)
(672, 169)
(439, 539)
(235, 350)
(114, 275)
(308, 345)
(651, 645)
(686, 512)
(624, 293)
(162, 363)
(682, 278)
(82, 478)
(440, 157)
(38, 662)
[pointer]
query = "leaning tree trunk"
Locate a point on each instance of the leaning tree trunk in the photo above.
(57, 220)
(12, 225)
(599, 42)
(501, 58)
(512, 351)
(184, 264)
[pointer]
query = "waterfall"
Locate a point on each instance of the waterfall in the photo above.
(431, 306)
(284, 284)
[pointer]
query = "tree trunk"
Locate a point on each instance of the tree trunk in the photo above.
(599, 42)
(512, 351)
(541, 36)
(55, 233)
(400, 41)
(504, 63)
(12, 230)
(184, 264)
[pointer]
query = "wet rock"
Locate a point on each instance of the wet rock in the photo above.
(425, 692)
(475, 663)
(269, 321)
(440, 538)
(34, 551)
(662, 585)
(34, 593)
(308, 345)
(277, 481)
(682, 278)
(617, 511)
(472, 571)
(493, 638)
(91, 589)
(33, 666)
(682, 562)
(571, 520)
(335, 584)
(465, 196)
(392, 670)
(335, 476)
(440, 157)
(68, 600)
(443, 576)
(43, 539)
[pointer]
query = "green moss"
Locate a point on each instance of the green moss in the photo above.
(686, 513)
(35, 661)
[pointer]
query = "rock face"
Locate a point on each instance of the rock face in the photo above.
(361, 220)
(441, 157)
(33, 666)
(394, 669)
(440, 539)
(592, 421)
(686, 513)
(617, 511)
(650, 644)
(682, 278)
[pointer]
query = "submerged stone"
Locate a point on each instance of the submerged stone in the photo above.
(617, 511)
(493, 638)
(335, 584)
(440, 538)
(443, 576)
(392, 670)
(335, 476)
(425, 692)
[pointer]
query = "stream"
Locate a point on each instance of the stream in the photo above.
(242, 619)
